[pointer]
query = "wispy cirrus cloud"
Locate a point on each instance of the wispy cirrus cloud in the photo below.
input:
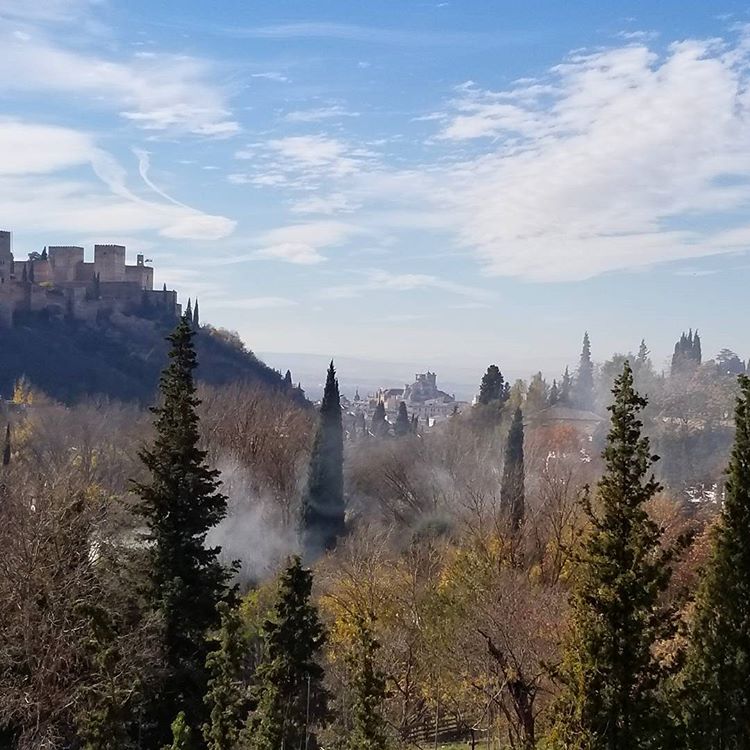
(319, 114)
(368, 34)
(377, 280)
(38, 191)
(155, 91)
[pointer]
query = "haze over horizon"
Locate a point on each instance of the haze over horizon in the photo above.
(432, 184)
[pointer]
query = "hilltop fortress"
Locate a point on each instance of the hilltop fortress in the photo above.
(59, 282)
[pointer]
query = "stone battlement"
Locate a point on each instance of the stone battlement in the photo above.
(60, 280)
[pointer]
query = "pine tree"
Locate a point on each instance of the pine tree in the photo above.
(366, 682)
(196, 316)
(290, 697)
(584, 383)
(323, 506)
(179, 504)
(610, 677)
(164, 287)
(288, 379)
(402, 425)
(643, 354)
(717, 673)
(379, 423)
(554, 394)
(226, 699)
(189, 312)
(493, 387)
(512, 489)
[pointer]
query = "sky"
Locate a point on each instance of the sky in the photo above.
(440, 185)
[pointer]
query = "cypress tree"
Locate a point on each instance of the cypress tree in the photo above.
(189, 312)
(512, 489)
(226, 698)
(402, 425)
(288, 379)
(584, 383)
(6, 448)
(717, 673)
(367, 684)
(180, 503)
(196, 316)
(609, 674)
(290, 697)
(323, 507)
(379, 423)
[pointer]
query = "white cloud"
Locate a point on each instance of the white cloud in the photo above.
(34, 149)
(333, 203)
(37, 192)
(319, 114)
(378, 281)
(315, 151)
(292, 252)
(609, 163)
(253, 303)
(155, 91)
(271, 76)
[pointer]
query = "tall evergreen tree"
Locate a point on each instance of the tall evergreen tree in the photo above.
(717, 673)
(290, 697)
(189, 312)
(226, 698)
(643, 354)
(566, 388)
(402, 425)
(288, 379)
(687, 353)
(554, 394)
(196, 316)
(610, 676)
(493, 387)
(323, 507)
(379, 423)
(6, 448)
(180, 503)
(366, 682)
(512, 489)
(584, 382)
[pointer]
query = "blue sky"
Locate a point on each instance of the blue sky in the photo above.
(440, 184)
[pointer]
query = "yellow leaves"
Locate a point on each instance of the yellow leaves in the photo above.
(22, 391)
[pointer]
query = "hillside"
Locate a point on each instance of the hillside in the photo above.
(120, 357)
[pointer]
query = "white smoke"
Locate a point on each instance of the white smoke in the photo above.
(253, 532)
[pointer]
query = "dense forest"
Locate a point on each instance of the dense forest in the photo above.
(233, 570)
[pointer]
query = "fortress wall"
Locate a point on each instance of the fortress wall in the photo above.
(42, 271)
(109, 262)
(142, 275)
(85, 272)
(65, 261)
